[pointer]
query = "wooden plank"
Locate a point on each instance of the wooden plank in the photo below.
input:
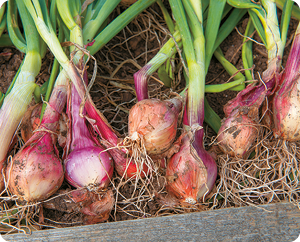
(274, 222)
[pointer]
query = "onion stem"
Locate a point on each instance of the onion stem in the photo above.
(295, 9)
(247, 54)
(215, 10)
(16, 102)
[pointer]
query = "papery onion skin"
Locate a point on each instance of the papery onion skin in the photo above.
(286, 110)
(191, 173)
(237, 134)
(30, 121)
(97, 167)
(155, 121)
(99, 208)
(94, 207)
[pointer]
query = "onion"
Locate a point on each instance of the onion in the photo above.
(240, 127)
(154, 122)
(36, 172)
(191, 172)
(286, 102)
(152, 125)
(87, 163)
(286, 108)
(251, 98)
(237, 134)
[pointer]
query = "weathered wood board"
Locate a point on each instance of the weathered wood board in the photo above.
(275, 222)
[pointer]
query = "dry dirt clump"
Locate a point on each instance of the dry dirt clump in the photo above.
(270, 175)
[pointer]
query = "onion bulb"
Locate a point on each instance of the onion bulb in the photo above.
(191, 172)
(35, 173)
(286, 109)
(154, 122)
(237, 134)
(89, 166)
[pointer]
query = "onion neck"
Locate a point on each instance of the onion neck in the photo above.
(140, 77)
(272, 31)
(81, 137)
(56, 105)
(98, 120)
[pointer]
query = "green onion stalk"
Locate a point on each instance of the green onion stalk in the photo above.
(2, 19)
(295, 10)
(240, 128)
(191, 172)
(170, 48)
(247, 53)
(16, 102)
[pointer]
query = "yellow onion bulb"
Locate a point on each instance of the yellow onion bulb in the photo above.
(237, 135)
(155, 122)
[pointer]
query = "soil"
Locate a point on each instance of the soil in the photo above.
(113, 93)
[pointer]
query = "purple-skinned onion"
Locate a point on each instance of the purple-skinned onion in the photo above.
(286, 101)
(87, 162)
(286, 110)
(84, 167)
(36, 172)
